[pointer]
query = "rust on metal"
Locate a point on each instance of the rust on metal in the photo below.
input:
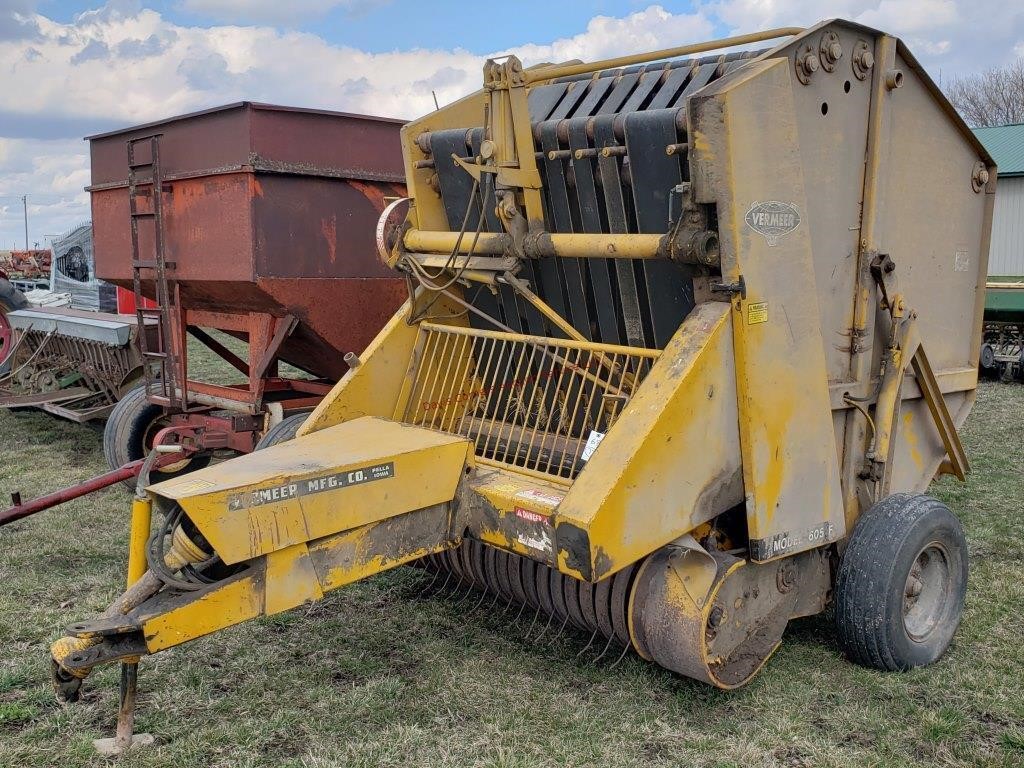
(269, 210)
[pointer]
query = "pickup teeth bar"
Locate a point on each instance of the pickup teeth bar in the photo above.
(526, 402)
(558, 602)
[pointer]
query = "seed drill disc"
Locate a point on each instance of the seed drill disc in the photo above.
(586, 590)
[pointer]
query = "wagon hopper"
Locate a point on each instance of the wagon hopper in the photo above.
(262, 228)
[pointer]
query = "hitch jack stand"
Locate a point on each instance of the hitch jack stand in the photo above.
(126, 738)
(142, 520)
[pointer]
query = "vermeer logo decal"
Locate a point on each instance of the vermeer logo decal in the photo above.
(310, 485)
(773, 219)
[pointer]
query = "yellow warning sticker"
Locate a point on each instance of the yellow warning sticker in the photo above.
(757, 312)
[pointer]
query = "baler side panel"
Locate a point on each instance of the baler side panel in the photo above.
(373, 387)
(746, 155)
(669, 464)
(940, 246)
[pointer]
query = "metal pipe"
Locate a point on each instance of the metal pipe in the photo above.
(543, 244)
(18, 511)
(567, 70)
(161, 456)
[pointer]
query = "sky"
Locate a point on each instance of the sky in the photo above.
(70, 68)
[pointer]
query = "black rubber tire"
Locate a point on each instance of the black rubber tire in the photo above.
(871, 586)
(283, 431)
(126, 430)
(11, 299)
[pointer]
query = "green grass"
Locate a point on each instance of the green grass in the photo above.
(376, 675)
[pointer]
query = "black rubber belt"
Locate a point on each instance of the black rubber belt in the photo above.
(600, 270)
(558, 197)
(615, 207)
(668, 287)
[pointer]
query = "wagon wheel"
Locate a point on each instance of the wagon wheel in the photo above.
(129, 433)
(11, 299)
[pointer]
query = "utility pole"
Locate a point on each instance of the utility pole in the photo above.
(24, 205)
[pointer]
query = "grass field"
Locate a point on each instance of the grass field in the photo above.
(377, 675)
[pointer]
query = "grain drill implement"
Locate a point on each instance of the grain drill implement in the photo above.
(689, 334)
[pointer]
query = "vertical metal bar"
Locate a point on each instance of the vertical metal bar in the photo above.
(416, 413)
(498, 388)
(545, 359)
(531, 382)
(877, 152)
(487, 390)
(455, 377)
(480, 371)
(436, 365)
(521, 355)
(583, 427)
(141, 521)
(556, 407)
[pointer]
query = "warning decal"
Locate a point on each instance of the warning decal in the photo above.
(757, 312)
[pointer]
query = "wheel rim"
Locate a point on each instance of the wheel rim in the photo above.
(927, 592)
(147, 443)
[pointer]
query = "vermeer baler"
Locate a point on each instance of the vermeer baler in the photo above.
(687, 339)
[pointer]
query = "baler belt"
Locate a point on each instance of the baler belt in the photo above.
(540, 101)
(648, 81)
(595, 94)
(590, 221)
(615, 206)
(668, 287)
(670, 88)
(623, 87)
(705, 71)
(573, 94)
(564, 221)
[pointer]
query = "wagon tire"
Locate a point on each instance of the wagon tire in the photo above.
(283, 431)
(11, 300)
(901, 583)
(128, 435)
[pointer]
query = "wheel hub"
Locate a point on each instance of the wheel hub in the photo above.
(926, 594)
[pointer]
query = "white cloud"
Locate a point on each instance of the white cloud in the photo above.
(53, 174)
(121, 65)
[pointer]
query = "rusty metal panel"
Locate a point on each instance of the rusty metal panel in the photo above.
(200, 142)
(326, 143)
(265, 209)
(318, 227)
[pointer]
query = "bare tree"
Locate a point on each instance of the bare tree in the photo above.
(993, 97)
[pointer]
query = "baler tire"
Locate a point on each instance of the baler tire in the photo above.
(281, 432)
(129, 425)
(905, 542)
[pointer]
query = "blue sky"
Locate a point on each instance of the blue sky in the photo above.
(69, 68)
(403, 24)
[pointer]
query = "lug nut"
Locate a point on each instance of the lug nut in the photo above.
(866, 60)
